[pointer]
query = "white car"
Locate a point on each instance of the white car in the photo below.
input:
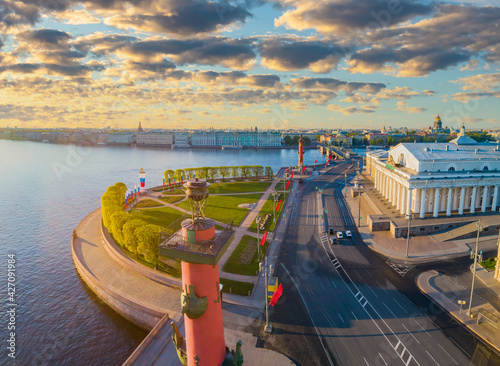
(348, 234)
(340, 235)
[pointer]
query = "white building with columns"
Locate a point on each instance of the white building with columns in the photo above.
(428, 179)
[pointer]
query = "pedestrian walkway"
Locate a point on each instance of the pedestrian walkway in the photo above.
(446, 292)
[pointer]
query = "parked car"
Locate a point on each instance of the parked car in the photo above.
(348, 234)
(333, 240)
(340, 235)
(331, 231)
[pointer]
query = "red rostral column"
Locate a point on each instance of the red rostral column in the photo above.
(301, 152)
(200, 248)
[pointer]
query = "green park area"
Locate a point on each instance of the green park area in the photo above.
(244, 259)
(172, 199)
(162, 216)
(225, 208)
(238, 187)
(236, 287)
(174, 191)
(269, 208)
(147, 203)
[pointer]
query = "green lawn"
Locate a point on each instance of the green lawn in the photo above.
(163, 216)
(236, 287)
(225, 208)
(232, 265)
(268, 208)
(172, 191)
(238, 187)
(489, 264)
(147, 203)
(174, 271)
(172, 199)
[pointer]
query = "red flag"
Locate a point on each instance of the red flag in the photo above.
(315, 161)
(264, 237)
(276, 295)
(292, 175)
(288, 184)
(278, 207)
(303, 170)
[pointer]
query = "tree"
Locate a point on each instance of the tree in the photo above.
(269, 171)
(179, 175)
(117, 220)
(390, 140)
(147, 242)
(201, 173)
(307, 140)
(235, 171)
(224, 172)
(130, 239)
(169, 173)
(257, 170)
(189, 173)
(245, 171)
(365, 141)
(107, 210)
(287, 140)
(213, 172)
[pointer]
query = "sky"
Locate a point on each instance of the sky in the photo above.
(273, 64)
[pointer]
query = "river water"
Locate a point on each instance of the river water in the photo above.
(46, 190)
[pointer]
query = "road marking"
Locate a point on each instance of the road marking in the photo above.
(333, 283)
(310, 317)
(382, 358)
(422, 327)
(366, 361)
(410, 333)
(389, 310)
(464, 351)
(432, 358)
(321, 283)
(354, 315)
(401, 306)
(448, 354)
(373, 292)
(340, 316)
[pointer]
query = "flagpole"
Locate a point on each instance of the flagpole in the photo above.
(267, 328)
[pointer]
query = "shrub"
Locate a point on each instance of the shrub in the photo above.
(147, 242)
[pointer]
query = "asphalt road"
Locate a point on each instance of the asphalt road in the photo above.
(362, 310)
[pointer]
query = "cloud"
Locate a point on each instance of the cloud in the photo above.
(288, 54)
(366, 109)
(481, 82)
(345, 16)
(395, 93)
(181, 18)
(337, 85)
(402, 106)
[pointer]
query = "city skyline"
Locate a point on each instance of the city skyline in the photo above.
(272, 64)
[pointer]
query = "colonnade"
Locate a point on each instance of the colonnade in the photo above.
(452, 197)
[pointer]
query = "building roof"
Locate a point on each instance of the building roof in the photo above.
(463, 140)
(449, 151)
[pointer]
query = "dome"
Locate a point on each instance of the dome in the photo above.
(438, 119)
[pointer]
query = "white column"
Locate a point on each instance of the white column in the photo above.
(462, 201)
(418, 196)
(485, 199)
(473, 200)
(422, 204)
(450, 197)
(391, 188)
(455, 199)
(409, 199)
(403, 200)
(436, 202)
(495, 198)
(398, 196)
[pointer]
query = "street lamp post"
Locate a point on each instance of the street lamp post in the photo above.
(475, 256)
(345, 183)
(268, 271)
(257, 220)
(274, 205)
(409, 217)
(461, 302)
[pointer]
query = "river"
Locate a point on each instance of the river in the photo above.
(46, 191)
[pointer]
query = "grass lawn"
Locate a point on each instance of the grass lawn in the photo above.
(147, 203)
(268, 208)
(232, 265)
(238, 187)
(489, 264)
(174, 271)
(163, 216)
(237, 287)
(225, 208)
(172, 191)
(172, 199)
